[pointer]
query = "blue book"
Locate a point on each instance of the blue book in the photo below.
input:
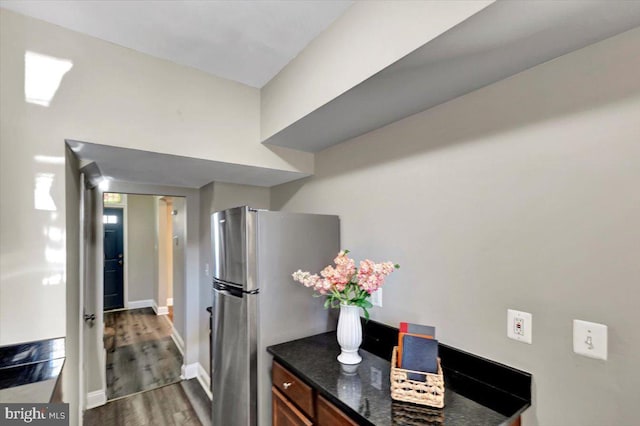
(419, 354)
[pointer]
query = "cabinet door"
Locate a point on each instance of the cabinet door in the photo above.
(328, 415)
(285, 413)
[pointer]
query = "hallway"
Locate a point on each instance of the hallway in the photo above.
(142, 355)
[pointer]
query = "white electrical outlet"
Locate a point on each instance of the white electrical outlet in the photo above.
(376, 298)
(590, 339)
(519, 326)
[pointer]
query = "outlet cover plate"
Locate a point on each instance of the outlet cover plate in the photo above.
(590, 339)
(519, 326)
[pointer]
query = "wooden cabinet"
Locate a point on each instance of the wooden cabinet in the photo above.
(294, 389)
(285, 413)
(295, 403)
(330, 415)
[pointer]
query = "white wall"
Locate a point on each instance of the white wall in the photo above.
(368, 37)
(141, 247)
(523, 195)
(112, 96)
(214, 197)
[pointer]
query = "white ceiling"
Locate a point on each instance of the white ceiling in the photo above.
(133, 165)
(245, 41)
(503, 39)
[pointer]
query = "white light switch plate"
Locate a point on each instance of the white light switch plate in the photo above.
(590, 339)
(519, 326)
(376, 298)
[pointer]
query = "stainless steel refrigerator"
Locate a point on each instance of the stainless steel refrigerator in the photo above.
(256, 303)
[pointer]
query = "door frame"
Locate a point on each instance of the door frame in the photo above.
(189, 297)
(125, 247)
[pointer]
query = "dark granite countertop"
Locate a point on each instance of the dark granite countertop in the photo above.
(363, 391)
(29, 371)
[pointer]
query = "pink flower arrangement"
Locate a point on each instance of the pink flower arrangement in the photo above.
(346, 284)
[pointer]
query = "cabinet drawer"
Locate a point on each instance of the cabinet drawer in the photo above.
(330, 415)
(297, 391)
(285, 413)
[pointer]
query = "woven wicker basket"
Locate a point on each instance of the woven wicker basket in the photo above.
(429, 393)
(407, 414)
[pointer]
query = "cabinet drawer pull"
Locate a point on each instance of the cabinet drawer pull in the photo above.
(286, 385)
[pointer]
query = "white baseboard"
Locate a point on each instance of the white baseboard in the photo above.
(160, 310)
(170, 301)
(137, 304)
(175, 336)
(189, 371)
(96, 399)
(205, 380)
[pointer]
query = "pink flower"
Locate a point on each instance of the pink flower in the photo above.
(335, 280)
(371, 275)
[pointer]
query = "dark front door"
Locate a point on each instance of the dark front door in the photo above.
(113, 259)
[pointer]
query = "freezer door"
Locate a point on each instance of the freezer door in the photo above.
(234, 351)
(229, 244)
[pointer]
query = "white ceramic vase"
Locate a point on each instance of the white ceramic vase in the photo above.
(349, 334)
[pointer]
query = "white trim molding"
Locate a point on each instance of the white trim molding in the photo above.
(189, 371)
(160, 310)
(205, 381)
(96, 399)
(177, 339)
(170, 301)
(137, 304)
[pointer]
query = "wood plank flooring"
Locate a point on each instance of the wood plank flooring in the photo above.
(137, 325)
(199, 400)
(144, 356)
(165, 406)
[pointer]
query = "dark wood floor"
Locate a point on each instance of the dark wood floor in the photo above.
(165, 406)
(144, 356)
(199, 400)
(137, 325)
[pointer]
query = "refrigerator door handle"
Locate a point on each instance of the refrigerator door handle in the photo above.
(230, 289)
(226, 290)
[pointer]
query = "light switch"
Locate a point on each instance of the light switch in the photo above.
(590, 339)
(376, 298)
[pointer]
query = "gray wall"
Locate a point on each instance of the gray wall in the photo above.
(524, 195)
(72, 369)
(214, 197)
(179, 231)
(141, 230)
(93, 298)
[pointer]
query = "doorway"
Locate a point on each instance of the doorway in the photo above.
(142, 350)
